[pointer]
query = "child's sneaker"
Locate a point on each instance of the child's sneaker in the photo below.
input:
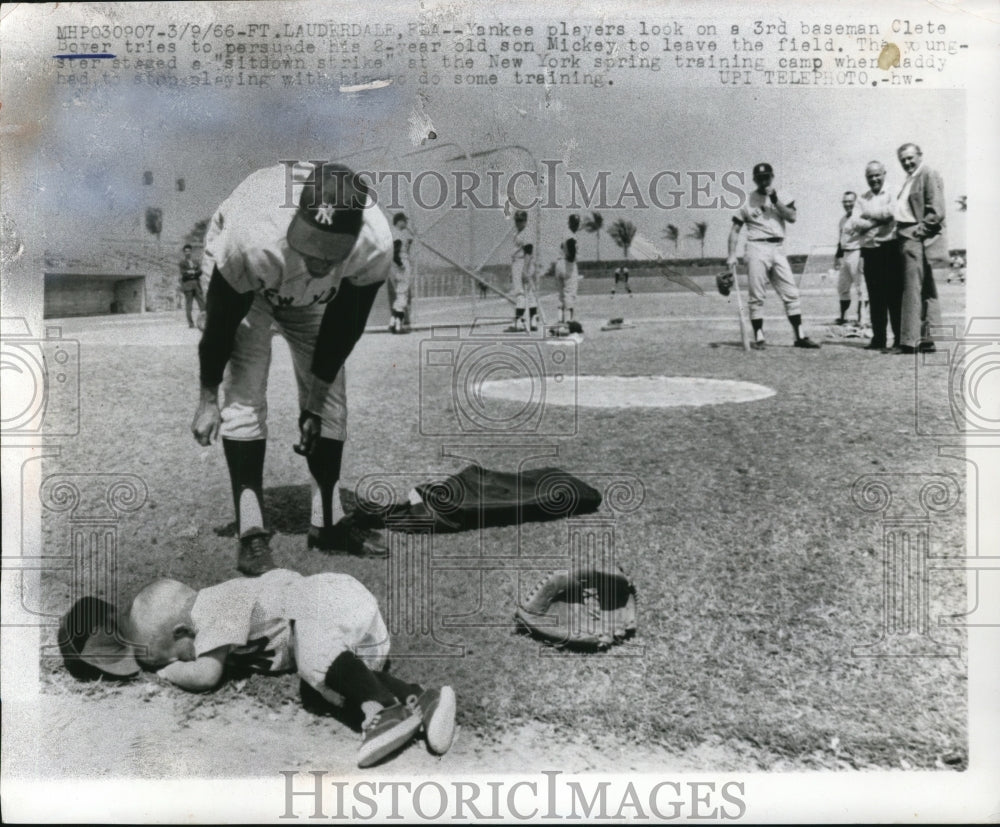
(388, 730)
(437, 707)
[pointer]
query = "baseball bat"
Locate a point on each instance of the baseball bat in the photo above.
(744, 333)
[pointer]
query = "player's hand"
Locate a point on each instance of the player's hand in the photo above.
(207, 420)
(772, 195)
(309, 431)
(732, 261)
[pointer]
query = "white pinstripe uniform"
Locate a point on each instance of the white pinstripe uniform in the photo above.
(246, 241)
(567, 274)
(851, 276)
(765, 253)
(400, 276)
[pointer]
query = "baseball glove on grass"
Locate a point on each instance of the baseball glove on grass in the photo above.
(724, 281)
(587, 608)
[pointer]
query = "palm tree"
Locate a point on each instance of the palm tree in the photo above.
(622, 232)
(196, 235)
(672, 233)
(593, 225)
(962, 202)
(698, 232)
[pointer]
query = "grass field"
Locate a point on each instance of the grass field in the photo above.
(756, 572)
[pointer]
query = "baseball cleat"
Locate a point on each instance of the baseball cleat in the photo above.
(390, 729)
(255, 555)
(759, 344)
(807, 343)
(348, 538)
(437, 708)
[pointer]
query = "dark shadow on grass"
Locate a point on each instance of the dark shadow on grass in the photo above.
(853, 344)
(286, 511)
(316, 704)
(738, 345)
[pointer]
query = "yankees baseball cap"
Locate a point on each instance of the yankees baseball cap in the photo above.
(329, 215)
(92, 643)
(762, 169)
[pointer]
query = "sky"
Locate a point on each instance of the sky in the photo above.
(80, 172)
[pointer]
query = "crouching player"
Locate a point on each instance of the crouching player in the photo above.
(327, 627)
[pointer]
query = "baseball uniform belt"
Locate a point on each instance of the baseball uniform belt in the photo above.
(774, 239)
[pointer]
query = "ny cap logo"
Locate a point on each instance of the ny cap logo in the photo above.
(324, 214)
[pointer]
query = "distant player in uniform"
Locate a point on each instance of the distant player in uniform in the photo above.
(326, 627)
(764, 214)
(567, 274)
(191, 284)
(621, 277)
(848, 262)
(311, 273)
(956, 268)
(399, 283)
(518, 262)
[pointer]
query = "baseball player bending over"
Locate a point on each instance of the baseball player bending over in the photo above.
(567, 274)
(765, 215)
(312, 274)
(621, 277)
(327, 627)
(520, 260)
(400, 275)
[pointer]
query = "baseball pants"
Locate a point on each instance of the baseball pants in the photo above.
(568, 279)
(244, 386)
(851, 276)
(399, 288)
(766, 262)
(517, 282)
(334, 613)
(884, 277)
(920, 309)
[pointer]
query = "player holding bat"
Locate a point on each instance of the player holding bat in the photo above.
(312, 274)
(765, 214)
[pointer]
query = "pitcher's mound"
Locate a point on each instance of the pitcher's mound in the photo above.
(627, 391)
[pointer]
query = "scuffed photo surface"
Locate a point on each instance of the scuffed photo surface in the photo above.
(807, 530)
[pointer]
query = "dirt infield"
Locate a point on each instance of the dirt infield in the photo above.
(757, 571)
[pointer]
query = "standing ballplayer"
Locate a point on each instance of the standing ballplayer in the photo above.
(850, 235)
(312, 273)
(399, 284)
(191, 284)
(567, 274)
(518, 261)
(764, 214)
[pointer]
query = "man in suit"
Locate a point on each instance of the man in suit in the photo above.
(920, 226)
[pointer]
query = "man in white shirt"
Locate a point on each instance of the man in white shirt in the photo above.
(883, 266)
